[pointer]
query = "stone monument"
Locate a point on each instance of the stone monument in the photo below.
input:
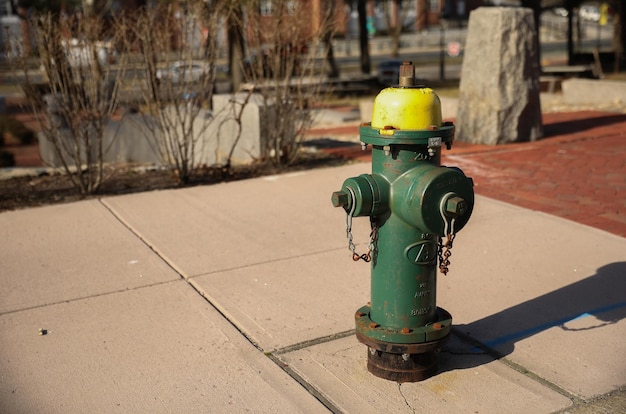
(499, 90)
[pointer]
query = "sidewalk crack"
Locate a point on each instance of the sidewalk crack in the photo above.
(404, 398)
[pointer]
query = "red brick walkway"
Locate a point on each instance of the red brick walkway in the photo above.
(577, 171)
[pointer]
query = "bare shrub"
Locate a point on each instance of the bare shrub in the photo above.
(284, 65)
(80, 91)
(176, 79)
(395, 12)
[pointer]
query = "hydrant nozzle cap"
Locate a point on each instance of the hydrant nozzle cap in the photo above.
(407, 74)
(340, 199)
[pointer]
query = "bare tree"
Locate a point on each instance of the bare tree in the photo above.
(236, 45)
(395, 15)
(82, 92)
(363, 37)
(177, 79)
(328, 36)
(281, 69)
(619, 32)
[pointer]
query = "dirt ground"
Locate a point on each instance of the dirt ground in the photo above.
(54, 188)
(45, 189)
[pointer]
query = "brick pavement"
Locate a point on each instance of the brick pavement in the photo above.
(577, 171)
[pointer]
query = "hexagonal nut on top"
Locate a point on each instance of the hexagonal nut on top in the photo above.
(456, 206)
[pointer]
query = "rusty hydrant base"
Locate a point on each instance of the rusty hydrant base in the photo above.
(407, 362)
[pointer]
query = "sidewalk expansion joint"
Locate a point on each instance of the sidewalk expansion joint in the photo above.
(611, 402)
(188, 281)
(315, 393)
(515, 366)
(96, 295)
(277, 260)
(312, 342)
(274, 356)
(288, 370)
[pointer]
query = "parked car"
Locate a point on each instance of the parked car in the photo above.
(184, 72)
(389, 72)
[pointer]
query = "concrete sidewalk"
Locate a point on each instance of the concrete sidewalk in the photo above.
(241, 297)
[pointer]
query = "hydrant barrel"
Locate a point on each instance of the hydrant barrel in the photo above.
(416, 207)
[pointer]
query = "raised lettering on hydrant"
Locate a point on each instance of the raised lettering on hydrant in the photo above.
(416, 207)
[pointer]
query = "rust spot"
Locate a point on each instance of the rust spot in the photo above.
(433, 127)
(388, 127)
(374, 325)
(359, 314)
(437, 326)
(406, 330)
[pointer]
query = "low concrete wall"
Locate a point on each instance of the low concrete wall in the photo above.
(592, 91)
(131, 141)
(220, 137)
(123, 142)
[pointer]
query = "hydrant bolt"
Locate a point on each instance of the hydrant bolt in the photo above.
(456, 206)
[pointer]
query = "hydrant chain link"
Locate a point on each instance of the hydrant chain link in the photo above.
(444, 252)
(366, 257)
(444, 249)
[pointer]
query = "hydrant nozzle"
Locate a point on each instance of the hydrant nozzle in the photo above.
(413, 204)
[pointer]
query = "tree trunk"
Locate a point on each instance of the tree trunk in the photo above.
(363, 38)
(236, 45)
(619, 34)
(333, 71)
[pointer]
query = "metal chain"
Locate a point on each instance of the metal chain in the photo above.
(444, 250)
(366, 257)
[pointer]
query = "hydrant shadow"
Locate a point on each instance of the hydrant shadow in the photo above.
(600, 296)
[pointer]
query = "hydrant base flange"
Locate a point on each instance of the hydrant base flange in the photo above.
(407, 362)
(406, 336)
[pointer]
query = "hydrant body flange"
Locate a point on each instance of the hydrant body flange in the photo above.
(412, 203)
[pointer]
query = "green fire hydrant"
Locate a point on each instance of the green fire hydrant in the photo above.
(415, 208)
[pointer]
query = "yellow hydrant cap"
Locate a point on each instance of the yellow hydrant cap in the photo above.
(406, 107)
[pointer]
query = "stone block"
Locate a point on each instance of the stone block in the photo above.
(499, 91)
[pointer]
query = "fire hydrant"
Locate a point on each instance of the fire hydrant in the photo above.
(415, 207)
